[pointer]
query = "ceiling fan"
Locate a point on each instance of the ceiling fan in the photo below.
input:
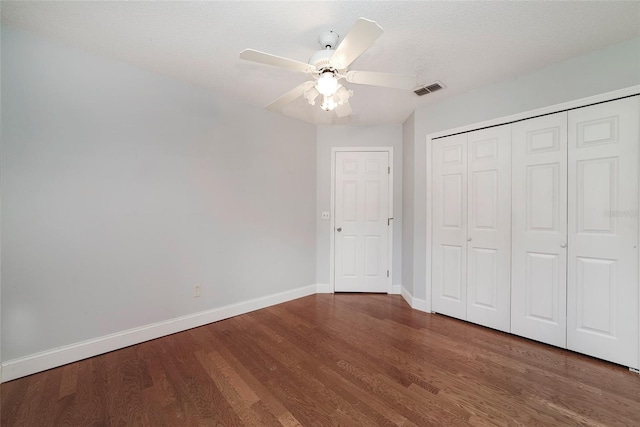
(330, 65)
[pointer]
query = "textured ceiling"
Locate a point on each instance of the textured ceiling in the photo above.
(463, 44)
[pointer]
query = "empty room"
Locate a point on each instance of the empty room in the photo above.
(336, 213)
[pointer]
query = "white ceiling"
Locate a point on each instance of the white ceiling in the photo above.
(463, 44)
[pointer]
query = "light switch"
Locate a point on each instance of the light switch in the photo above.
(325, 215)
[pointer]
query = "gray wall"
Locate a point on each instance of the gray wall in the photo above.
(355, 136)
(615, 67)
(0, 205)
(122, 189)
(408, 170)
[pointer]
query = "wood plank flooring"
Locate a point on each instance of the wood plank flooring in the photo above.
(329, 360)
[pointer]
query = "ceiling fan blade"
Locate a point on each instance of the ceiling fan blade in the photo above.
(396, 81)
(290, 96)
(359, 38)
(343, 110)
(276, 61)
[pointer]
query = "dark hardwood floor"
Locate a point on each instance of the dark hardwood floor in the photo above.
(330, 360)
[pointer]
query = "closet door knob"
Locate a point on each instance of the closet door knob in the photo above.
(563, 245)
(468, 239)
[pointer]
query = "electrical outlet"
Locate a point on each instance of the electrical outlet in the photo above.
(196, 291)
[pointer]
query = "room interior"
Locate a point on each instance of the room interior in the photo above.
(146, 190)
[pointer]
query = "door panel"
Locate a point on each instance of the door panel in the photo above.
(596, 194)
(489, 225)
(541, 286)
(484, 200)
(449, 252)
(602, 288)
(596, 283)
(453, 282)
(361, 214)
(482, 286)
(539, 263)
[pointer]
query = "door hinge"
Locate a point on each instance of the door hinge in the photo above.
(387, 273)
(389, 221)
(389, 170)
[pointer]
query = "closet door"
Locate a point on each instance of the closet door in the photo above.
(602, 288)
(449, 254)
(539, 229)
(489, 227)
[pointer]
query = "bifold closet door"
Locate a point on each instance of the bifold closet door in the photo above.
(449, 253)
(489, 227)
(539, 229)
(602, 284)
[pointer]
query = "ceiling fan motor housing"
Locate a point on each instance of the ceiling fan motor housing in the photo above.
(328, 39)
(320, 60)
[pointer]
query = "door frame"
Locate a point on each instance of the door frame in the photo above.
(556, 108)
(332, 260)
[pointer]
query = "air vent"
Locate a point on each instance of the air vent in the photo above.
(432, 87)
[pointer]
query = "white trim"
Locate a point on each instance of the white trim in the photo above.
(335, 150)
(582, 102)
(420, 304)
(577, 103)
(428, 224)
(391, 222)
(415, 303)
(324, 288)
(407, 296)
(38, 362)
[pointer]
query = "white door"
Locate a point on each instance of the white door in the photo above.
(449, 254)
(489, 227)
(539, 229)
(362, 222)
(602, 284)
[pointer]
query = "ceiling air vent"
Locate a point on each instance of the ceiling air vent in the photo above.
(432, 87)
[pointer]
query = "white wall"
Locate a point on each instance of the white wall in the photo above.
(122, 189)
(615, 67)
(355, 136)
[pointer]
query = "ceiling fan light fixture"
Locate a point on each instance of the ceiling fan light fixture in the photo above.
(343, 94)
(328, 103)
(327, 83)
(311, 95)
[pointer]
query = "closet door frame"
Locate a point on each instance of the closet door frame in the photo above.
(582, 102)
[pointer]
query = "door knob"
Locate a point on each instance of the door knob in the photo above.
(468, 239)
(339, 229)
(563, 245)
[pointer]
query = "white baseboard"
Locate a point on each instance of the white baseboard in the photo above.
(420, 304)
(407, 296)
(38, 362)
(415, 303)
(324, 288)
